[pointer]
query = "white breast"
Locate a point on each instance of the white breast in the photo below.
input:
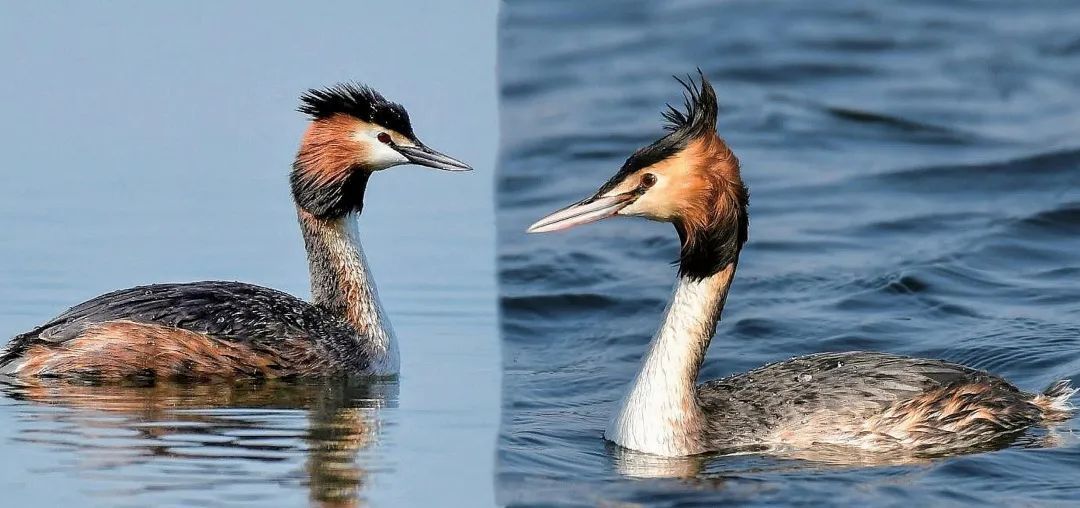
(659, 414)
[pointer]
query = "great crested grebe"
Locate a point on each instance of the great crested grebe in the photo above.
(861, 401)
(212, 330)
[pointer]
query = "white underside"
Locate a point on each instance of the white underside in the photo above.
(656, 414)
(374, 321)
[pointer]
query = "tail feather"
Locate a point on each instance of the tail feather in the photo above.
(10, 352)
(1055, 399)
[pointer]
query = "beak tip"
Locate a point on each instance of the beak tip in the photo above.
(452, 164)
(541, 226)
(582, 212)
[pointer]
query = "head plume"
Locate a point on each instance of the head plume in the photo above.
(359, 101)
(699, 103)
(696, 122)
(713, 238)
(713, 225)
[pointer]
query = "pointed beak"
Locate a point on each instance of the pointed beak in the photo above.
(583, 212)
(424, 156)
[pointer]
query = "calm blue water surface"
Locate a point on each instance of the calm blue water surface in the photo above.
(150, 142)
(915, 188)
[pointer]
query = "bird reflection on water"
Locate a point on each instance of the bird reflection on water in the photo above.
(709, 470)
(199, 439)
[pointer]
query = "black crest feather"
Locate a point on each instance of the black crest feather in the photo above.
(699, 103)
(698, 119)
(357, 100)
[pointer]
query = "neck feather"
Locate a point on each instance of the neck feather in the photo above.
(660, 413)
(341, 283)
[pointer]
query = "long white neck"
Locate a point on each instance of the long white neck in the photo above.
(660, 412)
(341, 282)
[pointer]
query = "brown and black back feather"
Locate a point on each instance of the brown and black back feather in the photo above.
(877, 401)
(237, 314)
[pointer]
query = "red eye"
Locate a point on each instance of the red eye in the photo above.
(384, 138)
(648, 180)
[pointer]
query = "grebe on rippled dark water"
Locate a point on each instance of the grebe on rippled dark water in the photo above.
(222, 330)
(861, 401)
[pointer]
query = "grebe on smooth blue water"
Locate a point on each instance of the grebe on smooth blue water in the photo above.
(213, 330)
(859, 401)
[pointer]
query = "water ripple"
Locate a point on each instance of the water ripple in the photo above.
(205, 444)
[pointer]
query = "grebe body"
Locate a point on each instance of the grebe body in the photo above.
(858, 401)
(224, 330)
(200, 331)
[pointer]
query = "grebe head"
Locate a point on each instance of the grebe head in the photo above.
(354, 132)
(689, 178)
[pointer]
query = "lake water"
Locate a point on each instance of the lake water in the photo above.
(915, 188)
(152, 142)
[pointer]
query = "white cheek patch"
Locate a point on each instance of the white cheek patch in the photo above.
(651, 204)
(636, 209)
(382, 156)
(379, 155)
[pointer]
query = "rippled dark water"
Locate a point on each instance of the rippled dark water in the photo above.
(914, 171)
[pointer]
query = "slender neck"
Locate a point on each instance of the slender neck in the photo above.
(660, 412)
(341, 283)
